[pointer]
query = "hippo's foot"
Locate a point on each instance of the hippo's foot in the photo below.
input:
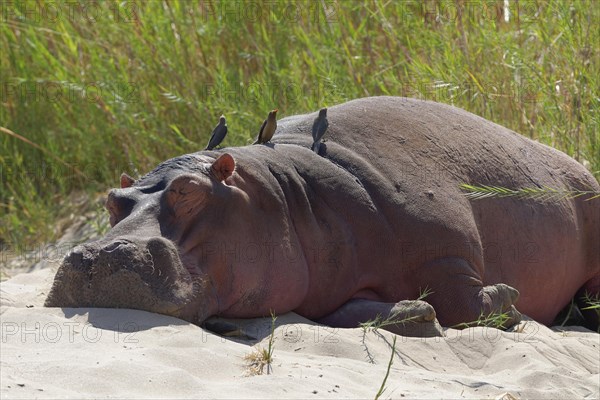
(414, 318)
(495, 304)
(498, 309)
(462, 301)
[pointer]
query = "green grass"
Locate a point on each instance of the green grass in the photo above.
(492, 320)
(379, 322)
(572, 314)
(592, 302)
(544, 194)
(383, 388)
(147, 80)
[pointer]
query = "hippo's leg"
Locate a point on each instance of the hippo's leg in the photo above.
(459, 297)
(591, 291)
(407, 318)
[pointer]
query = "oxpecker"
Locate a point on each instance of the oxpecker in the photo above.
(319, 128)
(218, 134)
(267, 128)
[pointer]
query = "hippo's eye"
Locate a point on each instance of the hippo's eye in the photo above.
(113, 216)
(113, 219)
(118, 206)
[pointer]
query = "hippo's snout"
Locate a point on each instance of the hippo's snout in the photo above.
(123, 273)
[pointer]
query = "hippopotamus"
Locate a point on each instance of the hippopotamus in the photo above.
(375, 218)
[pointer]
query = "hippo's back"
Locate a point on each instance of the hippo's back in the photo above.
(425, 138)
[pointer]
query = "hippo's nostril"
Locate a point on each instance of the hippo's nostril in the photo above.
(111, 247)
(114, 245)
(76, 256)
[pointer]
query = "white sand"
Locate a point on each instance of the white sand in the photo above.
(92, 353)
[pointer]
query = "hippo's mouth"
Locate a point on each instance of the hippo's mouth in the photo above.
(128, 273)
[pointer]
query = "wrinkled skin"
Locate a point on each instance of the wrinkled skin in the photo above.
(345, 235)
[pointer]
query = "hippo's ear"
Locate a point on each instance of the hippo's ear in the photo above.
(223, 167)
(126, 181)
(186, 194)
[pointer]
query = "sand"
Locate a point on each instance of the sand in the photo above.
(108, 353)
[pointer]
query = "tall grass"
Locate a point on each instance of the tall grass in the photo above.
(118, 86)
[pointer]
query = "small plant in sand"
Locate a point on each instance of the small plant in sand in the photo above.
(261, 357)
(382, 388)
(593, 303)
(572, 313)
(380, 322)
(545, 193)
(492, 320)
(373, 326)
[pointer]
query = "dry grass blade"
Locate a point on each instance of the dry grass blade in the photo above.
(43, 150)
(260, 358)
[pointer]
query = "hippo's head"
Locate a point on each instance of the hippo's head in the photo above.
(149, 259)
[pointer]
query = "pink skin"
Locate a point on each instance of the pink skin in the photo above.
(376, 216)
(193, 207)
